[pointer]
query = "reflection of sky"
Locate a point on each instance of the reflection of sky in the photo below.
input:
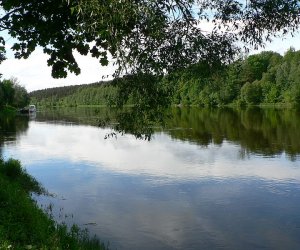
(132, 213)
(163, 157)
(164, 194)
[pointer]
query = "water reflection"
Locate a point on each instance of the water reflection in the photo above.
(11, 128)
(139, 122)
(268, 132)
(161, 157)
(203, 181)
(132, 213)
(265, 131)
(207, 214)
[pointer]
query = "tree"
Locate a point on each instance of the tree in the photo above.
(8, 92)
(251, 93)
(1, 96)
(21, 97)
(256, 65)
(145, 36)
(11, 93)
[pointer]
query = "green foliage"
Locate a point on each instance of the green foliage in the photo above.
(8, 91)
(255, 65)
(143, 90)
(251, 93)
(270, 92)
(11, 93)
(21, 97)
(1, 97)
(265, 78)
(148, 37)
(100, 93)
(12, 170)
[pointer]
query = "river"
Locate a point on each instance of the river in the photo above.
(204, 179)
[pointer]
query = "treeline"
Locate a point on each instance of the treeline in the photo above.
(13, 94)
(76, 95)
(265, 78)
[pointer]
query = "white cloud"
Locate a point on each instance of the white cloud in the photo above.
(33, 73)
(281, 45)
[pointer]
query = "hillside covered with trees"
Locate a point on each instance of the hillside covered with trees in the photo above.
(90, 94)
(265, 78)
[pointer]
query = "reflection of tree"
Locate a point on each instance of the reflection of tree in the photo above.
(140, 122)
(137, 121)
(11, 127)
(88, 116)
(264, 131)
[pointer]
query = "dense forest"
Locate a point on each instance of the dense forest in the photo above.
(89, 94)
(265, 78)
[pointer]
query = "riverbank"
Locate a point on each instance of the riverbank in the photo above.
(23, 225)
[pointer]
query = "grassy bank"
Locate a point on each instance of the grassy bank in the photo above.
(23, 225)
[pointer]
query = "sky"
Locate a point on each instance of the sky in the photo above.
(33, 73)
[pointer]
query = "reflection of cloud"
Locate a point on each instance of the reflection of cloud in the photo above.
(163, 158)
(115, 184)
(206, 214)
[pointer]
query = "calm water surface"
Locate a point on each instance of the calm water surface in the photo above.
(209, 179)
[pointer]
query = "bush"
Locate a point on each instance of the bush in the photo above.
(13, 171)
(12, 168)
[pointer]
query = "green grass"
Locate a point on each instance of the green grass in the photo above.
(23, 225)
